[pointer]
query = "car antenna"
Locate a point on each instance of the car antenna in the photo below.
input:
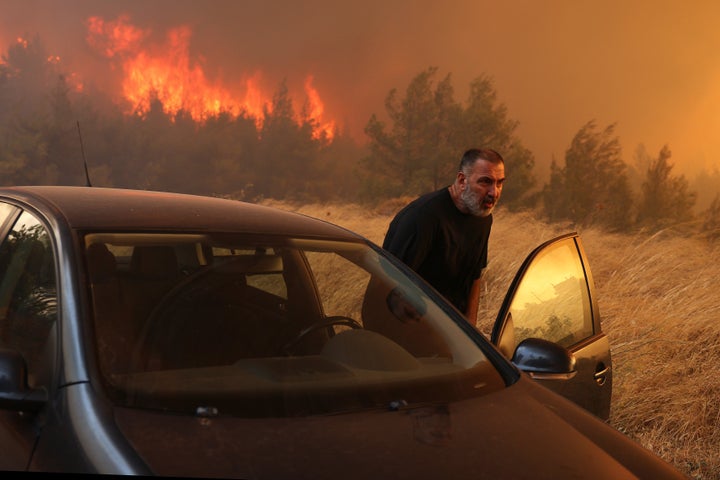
(82, 150)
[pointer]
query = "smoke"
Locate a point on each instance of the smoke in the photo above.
(648, 66)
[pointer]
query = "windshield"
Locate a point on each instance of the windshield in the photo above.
(258, 326)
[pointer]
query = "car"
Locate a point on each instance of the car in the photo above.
(152, 333)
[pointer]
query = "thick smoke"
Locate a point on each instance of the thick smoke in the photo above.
(651, 69)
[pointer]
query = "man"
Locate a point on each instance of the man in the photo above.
(443, 235)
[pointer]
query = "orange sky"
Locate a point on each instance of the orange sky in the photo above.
(650, 66)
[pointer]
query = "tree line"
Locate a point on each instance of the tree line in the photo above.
(413, 147)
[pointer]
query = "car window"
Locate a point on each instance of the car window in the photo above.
(28, 301)
(270, 326)
(341, 284)
(7, 215)
(552, 300)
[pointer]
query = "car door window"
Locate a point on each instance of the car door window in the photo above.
(7, 215)
(28, 302)
(552, 300)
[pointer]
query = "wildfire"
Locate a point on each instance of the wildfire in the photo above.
(73, 80)
(317, 111)
(167, 73)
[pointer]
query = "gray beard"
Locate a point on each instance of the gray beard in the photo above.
(472, 202)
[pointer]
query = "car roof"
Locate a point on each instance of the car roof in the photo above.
(96, 208)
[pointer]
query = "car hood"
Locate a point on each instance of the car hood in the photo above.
(523, 431)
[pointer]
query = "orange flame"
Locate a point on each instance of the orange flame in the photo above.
(317, 112)
(167, 73)
(113, 38)
(72, 79)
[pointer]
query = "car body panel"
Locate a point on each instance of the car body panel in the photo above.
(17, 437)
(457, 440)
(82, 208)
(416, 442)
(80, 435)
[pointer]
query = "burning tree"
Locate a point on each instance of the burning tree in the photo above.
(167, 126)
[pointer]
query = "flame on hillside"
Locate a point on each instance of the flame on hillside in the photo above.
(167, 72)
(73, 79)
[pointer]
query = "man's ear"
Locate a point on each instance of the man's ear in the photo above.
(461, 179)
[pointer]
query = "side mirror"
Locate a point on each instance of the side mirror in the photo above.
(14, 391)
(543, 359)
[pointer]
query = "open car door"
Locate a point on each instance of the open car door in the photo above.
(552, 298)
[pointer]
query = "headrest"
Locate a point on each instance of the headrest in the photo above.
(154, 261)
(100, 261)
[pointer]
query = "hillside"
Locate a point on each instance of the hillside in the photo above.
(659, 305)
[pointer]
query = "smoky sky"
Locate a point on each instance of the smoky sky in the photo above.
(651, 67)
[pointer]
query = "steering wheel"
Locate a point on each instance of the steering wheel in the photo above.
(190, 290)
(324, 323)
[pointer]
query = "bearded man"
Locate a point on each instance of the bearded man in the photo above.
(443, 235)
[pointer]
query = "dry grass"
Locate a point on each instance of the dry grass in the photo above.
(660, 308)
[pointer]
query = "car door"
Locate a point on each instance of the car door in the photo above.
(553, 298)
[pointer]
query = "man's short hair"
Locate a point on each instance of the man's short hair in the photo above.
(471, 156)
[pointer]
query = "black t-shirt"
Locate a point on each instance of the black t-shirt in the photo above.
(446, 247)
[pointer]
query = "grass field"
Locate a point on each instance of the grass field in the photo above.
(660, 307)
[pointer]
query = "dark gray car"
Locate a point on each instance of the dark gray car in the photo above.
(156, 333)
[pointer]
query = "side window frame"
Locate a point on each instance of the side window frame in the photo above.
(40, 366)
(8, 216)
(505, 331)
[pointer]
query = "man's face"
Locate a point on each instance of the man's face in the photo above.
(481, 187)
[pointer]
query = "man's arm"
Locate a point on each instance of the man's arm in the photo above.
(474, 301)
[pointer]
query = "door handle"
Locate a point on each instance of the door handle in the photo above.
(600, 376)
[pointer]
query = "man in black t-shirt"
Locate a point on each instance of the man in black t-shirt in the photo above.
(443, 235)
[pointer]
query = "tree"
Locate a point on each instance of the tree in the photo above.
(441, 133)
(593, 186)
(229, 145)
(60, 132)
(485, 122)
(336, 166)
(421, 148)
(706, 184)
(666, 198)
(711, 222)
(286, 151)
(23, 155)
(24, 71)
(410, 157)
